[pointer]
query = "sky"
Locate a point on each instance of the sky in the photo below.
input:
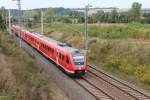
(30, 4)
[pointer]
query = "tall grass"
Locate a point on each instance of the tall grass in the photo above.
(130, 30)
(20, 77)
(123, 59)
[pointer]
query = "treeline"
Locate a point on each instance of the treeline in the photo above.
(134, 14)
(2, 19)
(72, 16)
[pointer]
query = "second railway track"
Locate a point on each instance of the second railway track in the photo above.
(93, 90)
(114, 88)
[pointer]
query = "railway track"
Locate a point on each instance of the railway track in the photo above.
(93, 90)
(113, 87)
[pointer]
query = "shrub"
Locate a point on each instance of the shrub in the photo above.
(106, 47)
(146, 78)
(113, 62)
(7, 96)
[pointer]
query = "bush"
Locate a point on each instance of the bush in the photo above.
(146, 78)
(113, 62)
(106, 47)
(7, 96)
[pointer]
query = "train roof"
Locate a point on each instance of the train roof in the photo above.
(66, 46)
(58, 43)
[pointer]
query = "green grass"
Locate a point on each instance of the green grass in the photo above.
(112, 31)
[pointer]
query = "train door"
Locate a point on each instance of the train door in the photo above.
(38, 45)
(57, 57)
(67, 62)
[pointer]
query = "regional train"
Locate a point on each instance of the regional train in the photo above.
(70, 59)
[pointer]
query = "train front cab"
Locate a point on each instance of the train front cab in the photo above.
(80, 64)
(77, 64)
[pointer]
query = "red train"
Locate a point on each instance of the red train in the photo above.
(72, 60)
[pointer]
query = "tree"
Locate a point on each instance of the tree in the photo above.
(2, 22)
(76, 16)
(147, 17)
(114, 15)
(66, 19)
(100, 16)
(3, 12)
(135, 11)
(36, 15)
(48, 15)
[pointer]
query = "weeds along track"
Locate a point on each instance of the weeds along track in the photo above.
(115, 88)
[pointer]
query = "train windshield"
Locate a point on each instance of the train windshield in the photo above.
(78, 60)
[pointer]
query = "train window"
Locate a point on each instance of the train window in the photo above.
(52, 50)
(79, 61)
(63, 57)
(26, 35)
(67, 60)
(60, 55)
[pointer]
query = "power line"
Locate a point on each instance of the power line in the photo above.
(9, 22)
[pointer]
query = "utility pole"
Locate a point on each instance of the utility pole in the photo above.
(19, 12)
(27, 19)
(6, 19)
(3, 13)
(86, 27)
(42, 22)
(9, 23)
